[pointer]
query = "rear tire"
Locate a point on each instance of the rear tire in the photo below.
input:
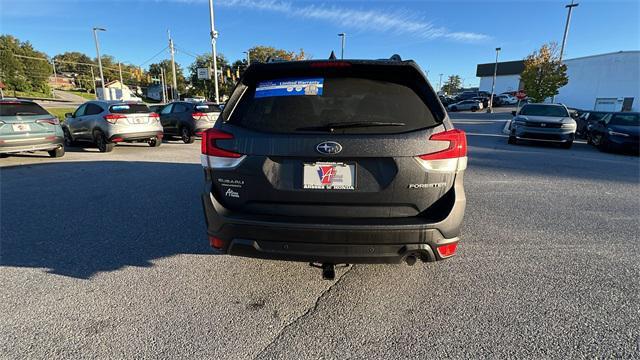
(187, 136)
(512, 140)
(102, 143)
(56, 153)
(568, 144)
(155, 142)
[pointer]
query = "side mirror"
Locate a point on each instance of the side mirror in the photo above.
(574, 115)
(68, 115)
(513, 113)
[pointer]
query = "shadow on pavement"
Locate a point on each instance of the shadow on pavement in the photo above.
(79, 219)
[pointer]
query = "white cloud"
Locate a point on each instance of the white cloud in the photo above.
(397, 22)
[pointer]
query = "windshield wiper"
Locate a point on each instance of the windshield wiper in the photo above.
(349, 125)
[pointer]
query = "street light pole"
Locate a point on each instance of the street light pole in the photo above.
(343, 36)
(174, 91)
(440, 85)
(248, 57)
(95, 38)
(493, 83)
(566, 27)
(214, 38)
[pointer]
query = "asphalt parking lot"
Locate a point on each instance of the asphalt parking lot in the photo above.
(105, 256)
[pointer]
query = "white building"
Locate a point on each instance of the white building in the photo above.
(116, 91)
(609, 82)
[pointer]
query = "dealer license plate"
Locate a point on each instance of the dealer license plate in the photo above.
(329, 176)
(21, 127)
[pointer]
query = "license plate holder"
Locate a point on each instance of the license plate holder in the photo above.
(21, 127)
(329, 176)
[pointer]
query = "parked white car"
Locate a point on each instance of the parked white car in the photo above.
(472, 105)
(507, 99)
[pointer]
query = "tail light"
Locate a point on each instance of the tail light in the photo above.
(453, 158)
(216, 242)
(113, 118)
(154, 115)
(198, 115)
(447, 250)
(50, 121)
(215, 157)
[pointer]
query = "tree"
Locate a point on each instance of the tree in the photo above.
(72, 62)
(263, 53)
(543, 73)
(23, 68)
(452, 85)
(206, 87)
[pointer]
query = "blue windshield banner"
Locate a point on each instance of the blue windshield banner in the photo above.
(290, 87)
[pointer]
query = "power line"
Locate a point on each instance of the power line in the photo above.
(154, 56)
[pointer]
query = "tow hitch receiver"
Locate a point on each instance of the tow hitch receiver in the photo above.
(328, 270)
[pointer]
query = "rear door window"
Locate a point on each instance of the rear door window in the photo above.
(206, 108)
(129, 109)
(92, 109)
(21, 109)
(625, 120)
(302, 105)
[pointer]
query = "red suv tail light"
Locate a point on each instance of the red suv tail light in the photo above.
(453, 158)
(447, 250)
(198, 115)
(154, 115)
(113, 118)
(215, 157)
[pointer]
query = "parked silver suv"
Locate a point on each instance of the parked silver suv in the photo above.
(106, 123)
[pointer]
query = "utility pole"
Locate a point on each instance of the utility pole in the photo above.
(440, 86)
(164, 94)
(121, 82)
(248, 57)
(173, 66)
(493, 83)
(55, 77)
(566, 27)
(343, 38)
(95, 38)
(93, 82)
(214, 38)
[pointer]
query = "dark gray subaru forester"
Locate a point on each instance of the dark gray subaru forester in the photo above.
(333, 162)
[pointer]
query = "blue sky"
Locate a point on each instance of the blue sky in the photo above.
(448, 37)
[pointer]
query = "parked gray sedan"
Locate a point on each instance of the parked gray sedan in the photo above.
(106, 123)
(25, 126)
(543, 122)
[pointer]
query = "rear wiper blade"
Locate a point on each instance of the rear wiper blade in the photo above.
(354, 124)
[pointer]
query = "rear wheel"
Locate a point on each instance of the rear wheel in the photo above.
(155, 142)
(187, 136)
(601, 143)
(56, 153)
(512, 140)
(102, 143)
(567, 145)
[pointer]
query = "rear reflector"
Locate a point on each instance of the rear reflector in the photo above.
(447, 250)
(117, 139)
(215, 157)
(113, 118)
(453, 158)
(216, 242)
(198, 115)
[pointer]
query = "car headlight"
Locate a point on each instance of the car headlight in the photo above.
(519, 122)
(569, 125)
(615, 133)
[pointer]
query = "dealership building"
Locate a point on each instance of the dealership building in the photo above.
(607, 82)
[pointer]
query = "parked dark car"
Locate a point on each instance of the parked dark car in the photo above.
(334, 162)
(543, 122)
(188, 119)
(616, 132)
(587, 118)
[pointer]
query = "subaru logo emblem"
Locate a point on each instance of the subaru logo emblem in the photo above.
(329, 147)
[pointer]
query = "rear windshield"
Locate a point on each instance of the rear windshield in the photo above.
(305, 104)
(129, 109)
(544, 110)
(207, 108)
(21, 109)
(625, 120)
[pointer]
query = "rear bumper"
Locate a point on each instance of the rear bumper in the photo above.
(31, 144)
(321, 240)
(137, 136)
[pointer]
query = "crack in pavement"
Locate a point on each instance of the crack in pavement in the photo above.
(306, 313)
